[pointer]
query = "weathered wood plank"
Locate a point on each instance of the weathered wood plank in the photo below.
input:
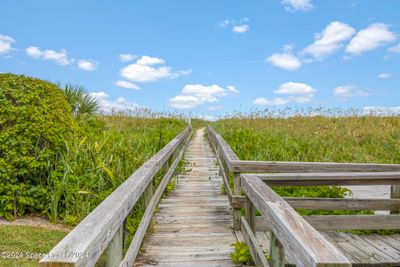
(193, 224)
(343, 203)
(109, 215)
(343, 178)
(301, 167)
(306, 246)
(134, 247)
(344, 222)
(252, 242)
(395, 194)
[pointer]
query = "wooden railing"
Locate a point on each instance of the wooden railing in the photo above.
(293, 236)
(102, 229)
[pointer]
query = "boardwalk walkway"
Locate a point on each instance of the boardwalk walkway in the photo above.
(193, 225)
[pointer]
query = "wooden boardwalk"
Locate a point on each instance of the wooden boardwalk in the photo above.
(193, 225)
(196, 224)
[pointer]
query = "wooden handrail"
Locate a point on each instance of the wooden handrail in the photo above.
(306, 245)
(342, 178)
(84, 245)
(302, 167)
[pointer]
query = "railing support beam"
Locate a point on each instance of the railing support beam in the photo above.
(395, 194)
(236, 192)
(114, 249)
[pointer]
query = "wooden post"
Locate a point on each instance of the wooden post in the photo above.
(114, 249)
(395, 193)
(236, 192)
(277, 252)
(165, 167)
(250, 214)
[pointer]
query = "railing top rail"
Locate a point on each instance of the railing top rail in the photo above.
(306, 245)
(227, 153)
(84, 245)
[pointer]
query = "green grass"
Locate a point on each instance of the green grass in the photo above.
(26, 242)
(364, 139)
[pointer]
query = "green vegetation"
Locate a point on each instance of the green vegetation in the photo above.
(318, 138)
(241, 254)
(35, 122)
(59, 158)
(21, 246)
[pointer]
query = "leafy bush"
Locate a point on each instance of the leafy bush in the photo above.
(241, 254)
(35, 121)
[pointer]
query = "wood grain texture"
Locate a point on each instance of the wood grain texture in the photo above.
(343, 222)
(343, 203)
(134, 247)
(307, 246)
(341, 178)
(252, 242)
(299, 167)
(109, 215)
(193, 224)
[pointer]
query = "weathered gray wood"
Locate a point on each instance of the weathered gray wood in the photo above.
(236, 192)
(395, 194)
(193, 224)
(306, 246)
(108, 217)
(225, 150)
(223, 171)
(343, 222)
(277, 252)
(114, 249)
(148, 194)
(134, 247)
(251, 241)
(343, 178)
(250, 214)
(300, 167)
(343, 203)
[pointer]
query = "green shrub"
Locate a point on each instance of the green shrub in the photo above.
(35, 121)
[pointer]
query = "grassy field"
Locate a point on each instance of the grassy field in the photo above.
(326, 139)
(22, 246)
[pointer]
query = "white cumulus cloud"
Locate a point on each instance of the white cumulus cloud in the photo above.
(297, 5)
(6, 43)
(241, 28)
(59, 57)
(108, 105)
(295, 88)
(88, 64)
(385, 75)
(150, 69)
(127, 57)
(372, 37)
(126, 84)
(329, 40)
(194, 95)
(299, 93)
(284, 60)
(345, 92)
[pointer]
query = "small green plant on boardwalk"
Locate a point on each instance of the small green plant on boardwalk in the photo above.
(241, 254)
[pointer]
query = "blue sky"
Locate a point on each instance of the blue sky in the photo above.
(211, 57)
